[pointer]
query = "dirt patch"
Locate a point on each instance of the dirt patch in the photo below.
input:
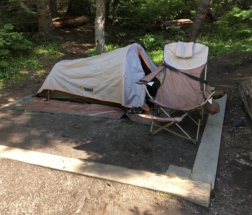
(117, 142)
(28, 189)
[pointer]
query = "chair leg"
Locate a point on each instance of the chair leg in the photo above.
(185, 137)
(173, 132)
(202, 114)
(152, 123)
(198, 129)
(160, 127)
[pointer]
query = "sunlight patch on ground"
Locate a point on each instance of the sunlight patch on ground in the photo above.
(23, 119)
(24, 72)
(11, 99)
(42, 71)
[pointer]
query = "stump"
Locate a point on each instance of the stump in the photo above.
(246, 95)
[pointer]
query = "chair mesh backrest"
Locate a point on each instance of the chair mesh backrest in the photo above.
(178, 91)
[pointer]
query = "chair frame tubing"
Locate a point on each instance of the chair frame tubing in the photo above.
(186, 135)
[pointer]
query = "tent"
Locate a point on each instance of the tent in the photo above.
(109, 78)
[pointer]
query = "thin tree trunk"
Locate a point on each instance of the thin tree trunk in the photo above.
(27, 9)
(198, 19)
(100, 26)
(211, 15)
(45, 24)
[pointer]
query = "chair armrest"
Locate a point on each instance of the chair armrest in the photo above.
(151, 76)
(218, 94)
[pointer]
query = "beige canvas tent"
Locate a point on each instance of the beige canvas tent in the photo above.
(109, 78)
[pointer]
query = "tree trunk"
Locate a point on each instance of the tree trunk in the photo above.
(53, 7)
(100, 26)
(198, 19)
(45, 24)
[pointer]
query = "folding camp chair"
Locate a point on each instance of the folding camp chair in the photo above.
(183, 89)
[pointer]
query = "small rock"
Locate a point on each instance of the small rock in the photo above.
(239, 82)
(238, 121)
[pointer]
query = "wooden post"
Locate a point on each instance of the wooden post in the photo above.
(246, 95)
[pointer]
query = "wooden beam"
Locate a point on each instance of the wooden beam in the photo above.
(246, 95)
(205, 165)
(196, 192)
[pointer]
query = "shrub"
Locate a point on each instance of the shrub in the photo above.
(152, 42)
(236, 24)
(12, 45)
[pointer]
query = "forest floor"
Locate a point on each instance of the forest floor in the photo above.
(28, 189)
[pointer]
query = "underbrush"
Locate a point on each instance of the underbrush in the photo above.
(230, 34)
(20, 53)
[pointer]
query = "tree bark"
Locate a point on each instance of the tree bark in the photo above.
(198, 19)
(45, 24)
(54, 7)
(100, 26)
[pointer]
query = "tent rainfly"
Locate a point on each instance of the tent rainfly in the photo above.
(109, 78)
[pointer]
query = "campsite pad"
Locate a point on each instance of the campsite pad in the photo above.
(38, 104)
(67, 107)
(121, 142)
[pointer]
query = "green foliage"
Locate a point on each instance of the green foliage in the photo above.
(143, 15)
(12, 45)
(233, 33)
(17, 54)
(109, 47)
(177, 34)
(236, 24)
(244, 15)
(156, 56)
(19, 13)
(155, 53)
(132, 21)
(152, 41)
(220, 47)
(49, 49)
